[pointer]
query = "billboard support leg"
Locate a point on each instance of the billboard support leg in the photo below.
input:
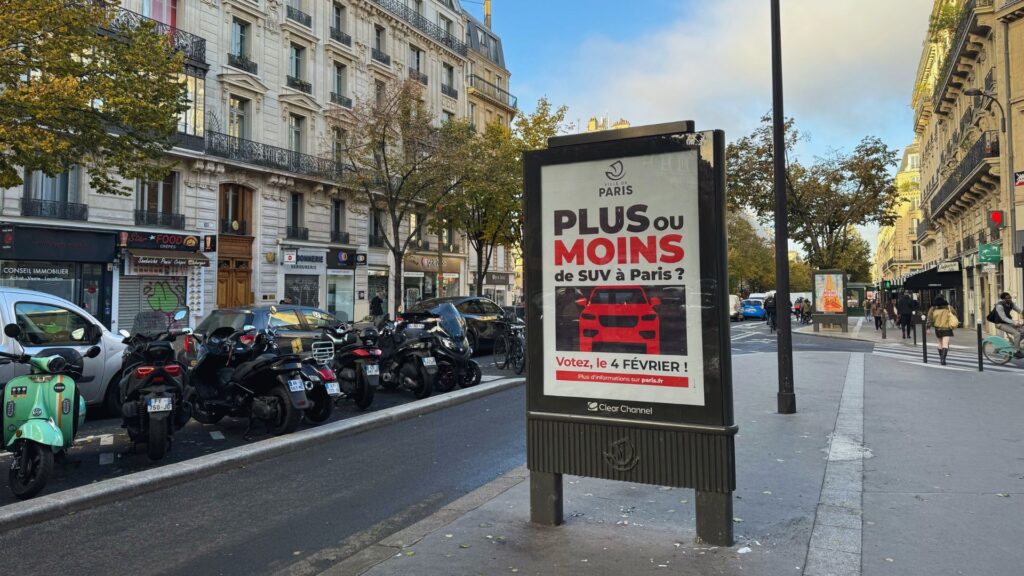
(714, 518)
(545, 498)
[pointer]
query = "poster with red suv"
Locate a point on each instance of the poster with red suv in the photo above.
(621, 261)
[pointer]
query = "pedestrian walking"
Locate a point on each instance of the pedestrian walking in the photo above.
(1002, 316)
(906, 307)
(377, 308)
(890, 311)
(942, 317)
(878, 312)
(867, 307)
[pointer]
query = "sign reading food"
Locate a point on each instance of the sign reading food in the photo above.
(621, 259)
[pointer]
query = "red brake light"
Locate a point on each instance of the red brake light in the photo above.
(398, 319)
(173, 370)
(361, 352)
(143, 371)
(327, 374)
(247, 339)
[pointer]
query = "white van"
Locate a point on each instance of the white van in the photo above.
(47, 321)
(735, 309)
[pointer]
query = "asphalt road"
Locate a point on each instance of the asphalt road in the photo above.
(752, 336)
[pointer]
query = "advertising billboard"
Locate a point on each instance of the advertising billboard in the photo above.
(829, 290)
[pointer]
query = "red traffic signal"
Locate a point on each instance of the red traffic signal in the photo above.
(995, 219)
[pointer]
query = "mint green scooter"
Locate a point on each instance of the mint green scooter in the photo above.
(42, 411)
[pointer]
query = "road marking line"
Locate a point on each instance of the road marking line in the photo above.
(490, 378)
(106, 458)
(107, 440)
(939, 366)
(217, 435)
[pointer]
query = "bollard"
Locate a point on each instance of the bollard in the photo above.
(981, 363)
(924, 340)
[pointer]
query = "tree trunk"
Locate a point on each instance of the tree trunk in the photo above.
(397, 299)
(479, 268)
(440, 267)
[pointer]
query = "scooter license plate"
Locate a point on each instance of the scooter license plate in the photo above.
(159, 405)
(372, 370)
(333, 389)
(415, 326)
(296, 385)
(429, 361)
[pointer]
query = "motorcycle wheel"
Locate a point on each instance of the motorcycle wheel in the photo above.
(288, 416)
(363, 394)
(447, 377)
(500, 353)
(426, 384)
(33, 479)
(206, 417)
(322, 406)
(471, 376)
(156, 448)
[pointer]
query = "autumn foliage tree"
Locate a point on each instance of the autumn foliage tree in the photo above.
(78, 86)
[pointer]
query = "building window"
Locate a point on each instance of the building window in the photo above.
(416, 226)
(416, 58)
(296, 124)
(379, 38)
(448, 77)
(62, 187)
(377, 228)
(338, 17)
(338, 217)
(340, 79)
(472, 113)
(498, 81)
(417, 5)
(240, 38)
(159, 197)
(163, 11)
(295, 210)
(340, 136)
(191, 119)
(378, 92)
(295, 66)
(238, 117)
(447, 116)
(445, 24)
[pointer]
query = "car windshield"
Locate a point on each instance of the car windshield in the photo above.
(451, 321)
(753, 303)
(618, 296)
(153, 322)
(220, 318)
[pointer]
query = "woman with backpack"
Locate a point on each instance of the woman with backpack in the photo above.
(942, 317)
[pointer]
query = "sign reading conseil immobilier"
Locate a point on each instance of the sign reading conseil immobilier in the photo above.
(626, 279)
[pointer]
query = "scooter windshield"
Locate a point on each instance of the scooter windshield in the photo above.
(154, 322)
(451, 321)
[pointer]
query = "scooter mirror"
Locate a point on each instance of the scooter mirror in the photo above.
(124, 333)
(248, 328)
(12, 331)
(93, 352)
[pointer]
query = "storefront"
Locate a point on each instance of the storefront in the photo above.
(498, 286)
(944, 279)
(341, 283)
(378, 282)
(76, 265)
(160, 272)
(421, 278)
(303, 271)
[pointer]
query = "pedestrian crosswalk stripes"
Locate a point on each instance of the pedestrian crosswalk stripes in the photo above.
(955, 359)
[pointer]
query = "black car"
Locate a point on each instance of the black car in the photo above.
(297, 327)
(484, 319)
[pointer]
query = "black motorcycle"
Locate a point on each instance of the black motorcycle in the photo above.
(455, 366)
(231, 378)
(153, 384)
(321, 384)
(356, 362)
(406, 358)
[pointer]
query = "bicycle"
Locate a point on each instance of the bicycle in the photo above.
(510, 348)
(998, 350)
(771, 323)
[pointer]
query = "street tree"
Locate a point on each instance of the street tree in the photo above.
(750, 257)
(80, 87)
(402, 162)
(825, 199)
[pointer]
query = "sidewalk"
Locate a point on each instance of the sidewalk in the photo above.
(861, 328)
(855, 483)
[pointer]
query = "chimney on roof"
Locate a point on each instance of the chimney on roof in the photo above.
(487, 13)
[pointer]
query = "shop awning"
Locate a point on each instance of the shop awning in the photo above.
(168, 258)
(932, 278)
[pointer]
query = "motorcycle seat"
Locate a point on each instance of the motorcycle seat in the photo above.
(246, 369)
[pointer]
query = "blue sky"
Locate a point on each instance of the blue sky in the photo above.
(849, 65)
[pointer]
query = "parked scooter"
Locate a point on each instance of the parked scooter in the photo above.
(231, 378)
(455, 366)
(42, 411)
(153, 403)
(406, 359)
(320, 381)
(356, 362)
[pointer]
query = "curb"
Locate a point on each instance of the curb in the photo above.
(21, 514)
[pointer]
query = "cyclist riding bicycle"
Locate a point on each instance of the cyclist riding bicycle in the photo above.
(769, 311)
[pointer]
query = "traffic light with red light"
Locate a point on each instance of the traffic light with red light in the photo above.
(995, 220)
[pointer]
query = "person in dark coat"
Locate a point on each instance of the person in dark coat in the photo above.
(906, 307)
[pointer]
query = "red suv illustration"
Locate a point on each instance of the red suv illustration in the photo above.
(620, 319)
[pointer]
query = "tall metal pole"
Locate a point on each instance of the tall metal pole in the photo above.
(786, 396)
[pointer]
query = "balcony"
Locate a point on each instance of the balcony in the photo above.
(256, 153)
(242, 63)
(341, 37)
(340, 236)
(296, 233)
(963, 50)
(341, 100)
(54, 209)
(233, 227)
(376, 241)
(192, 46)
(500, 96)
(971, 179)
(380, 56)
(296, 15)
(418, 76)
(425, 26)
(299, 84)
(449, 91)
(159, 219)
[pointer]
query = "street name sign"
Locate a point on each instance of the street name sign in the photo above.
(626, 282)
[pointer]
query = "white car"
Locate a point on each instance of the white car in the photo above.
(47, 321)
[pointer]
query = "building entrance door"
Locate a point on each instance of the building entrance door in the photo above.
(234, 271)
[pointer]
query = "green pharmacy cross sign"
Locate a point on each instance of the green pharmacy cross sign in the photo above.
(989, 253)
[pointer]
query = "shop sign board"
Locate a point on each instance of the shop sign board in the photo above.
(338, 258)
(953, 266)
(626, 270)
(37, 243)
(159, 241)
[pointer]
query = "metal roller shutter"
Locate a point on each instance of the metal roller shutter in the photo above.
(130, 298)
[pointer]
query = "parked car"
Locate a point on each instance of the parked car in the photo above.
(753, 309)
(47, 321)
(484, 318)
(297, 327)
(620, 319)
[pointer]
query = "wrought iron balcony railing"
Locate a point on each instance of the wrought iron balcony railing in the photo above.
(418, 76)
(297, 232)
(299, 16)
(449, 91)
(160, 219)
(194, 47)
(242, 63)
(968, 17)
(234, 227)
(259, 154)
(299, 84)
(340, 36)
(986, 147)
(340, 236)
(492, 91)
(421, 23)
(380, 56)
(54, 209)
(341, 100)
